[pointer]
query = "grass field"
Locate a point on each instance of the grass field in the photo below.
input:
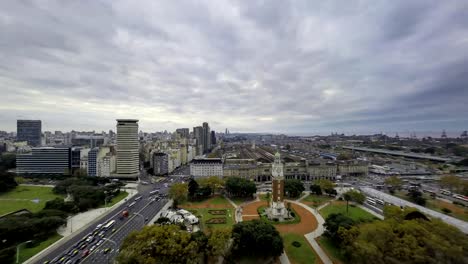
(239, 201)
(117, 199)
(299, 255)
(217, 200)
(204, 215)
(317, 199)
(22, 196)
(333, 252)
(354, 213)
(26, 253)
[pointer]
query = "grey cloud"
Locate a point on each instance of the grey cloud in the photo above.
(306, 65)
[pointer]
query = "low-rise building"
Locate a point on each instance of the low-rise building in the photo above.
(44, 160)
(206, 167)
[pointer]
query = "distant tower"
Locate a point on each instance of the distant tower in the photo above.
(277, 209)
(396, 136)
(253, 144)
(444, 134)
(464, 134)
(127, 148)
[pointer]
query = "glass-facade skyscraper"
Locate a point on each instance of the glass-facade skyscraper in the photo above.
(30, 131)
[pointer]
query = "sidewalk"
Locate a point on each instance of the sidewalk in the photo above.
(316, 233)
(82, 219)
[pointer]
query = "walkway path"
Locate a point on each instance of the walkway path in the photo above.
(316, 233)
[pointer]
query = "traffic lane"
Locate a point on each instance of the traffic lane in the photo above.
(136, 223)
(88, 246)
(68, 245)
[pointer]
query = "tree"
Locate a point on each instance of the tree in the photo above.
(355, 196)
(325, 184)
(293, 188)
(240, 187)
(7, 181)
(160, 244)
(217, 242)
(214, 182)
(315, 189)
(256, 238)
(192, 188)
(400, 240)
(450, 182)
(333, 223)
(179, 192)
(417, 197)
(344, 156)
(394, 182)
(7, 161)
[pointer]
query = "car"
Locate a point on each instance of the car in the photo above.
(113, 230)
(85, 253)
(75, 252)
(146, 219)
(106, 250)
(100, 242)
(46, 262)
(69, 261)
(101, 234)
(92, 248)
(89, 239)
(83, 246)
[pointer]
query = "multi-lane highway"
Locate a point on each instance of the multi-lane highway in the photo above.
(100, 244)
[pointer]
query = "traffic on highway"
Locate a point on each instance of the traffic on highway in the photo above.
(100, 242)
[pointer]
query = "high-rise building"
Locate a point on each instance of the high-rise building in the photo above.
(198, 135)
(183, 132)
(160, 163)
(127, 148)
(92, 161)
(213, 138)
(46, 160)
(30, 131)
(206, 138)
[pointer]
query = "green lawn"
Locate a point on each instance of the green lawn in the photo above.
(333, 252)
(239, 201)
(26, 253)
(213, 200)
(25, 195)
(318, 199)
(263, 197)
(355, 212)
(303, 254)
(203, 215)
(117, 199)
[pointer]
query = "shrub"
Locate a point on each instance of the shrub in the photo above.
(296, 243)
(446, 210)
(218, 212)
(216, 220)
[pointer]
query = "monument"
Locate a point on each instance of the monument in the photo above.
(277, 210)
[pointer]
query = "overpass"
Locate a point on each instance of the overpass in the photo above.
(399, 153)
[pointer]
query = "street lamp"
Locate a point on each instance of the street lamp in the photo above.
(114, 243)
(18, 248)
(142, 217)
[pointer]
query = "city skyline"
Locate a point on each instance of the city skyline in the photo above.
(304, 68)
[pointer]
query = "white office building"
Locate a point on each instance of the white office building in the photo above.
(206, 168)
(127, 148)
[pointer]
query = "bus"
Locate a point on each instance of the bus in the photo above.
(370, 201)
(381, 202)
(130, 205)
(108, 225)
(445, 192)
(138, 198)
(154, 192)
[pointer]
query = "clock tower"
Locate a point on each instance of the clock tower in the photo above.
(277, 209)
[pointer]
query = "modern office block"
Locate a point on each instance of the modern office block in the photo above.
(127, 148)
(44, 160)
(30, 131)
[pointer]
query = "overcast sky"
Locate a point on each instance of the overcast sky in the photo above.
(252, 66)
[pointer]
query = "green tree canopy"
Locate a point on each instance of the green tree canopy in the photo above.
(7, 181)
(315, 189)
(256, 238)
(240, 187)
(333, 223)
(396, 240)
(354, 196)
(293, 188)
(451, 182)
(179, 192)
